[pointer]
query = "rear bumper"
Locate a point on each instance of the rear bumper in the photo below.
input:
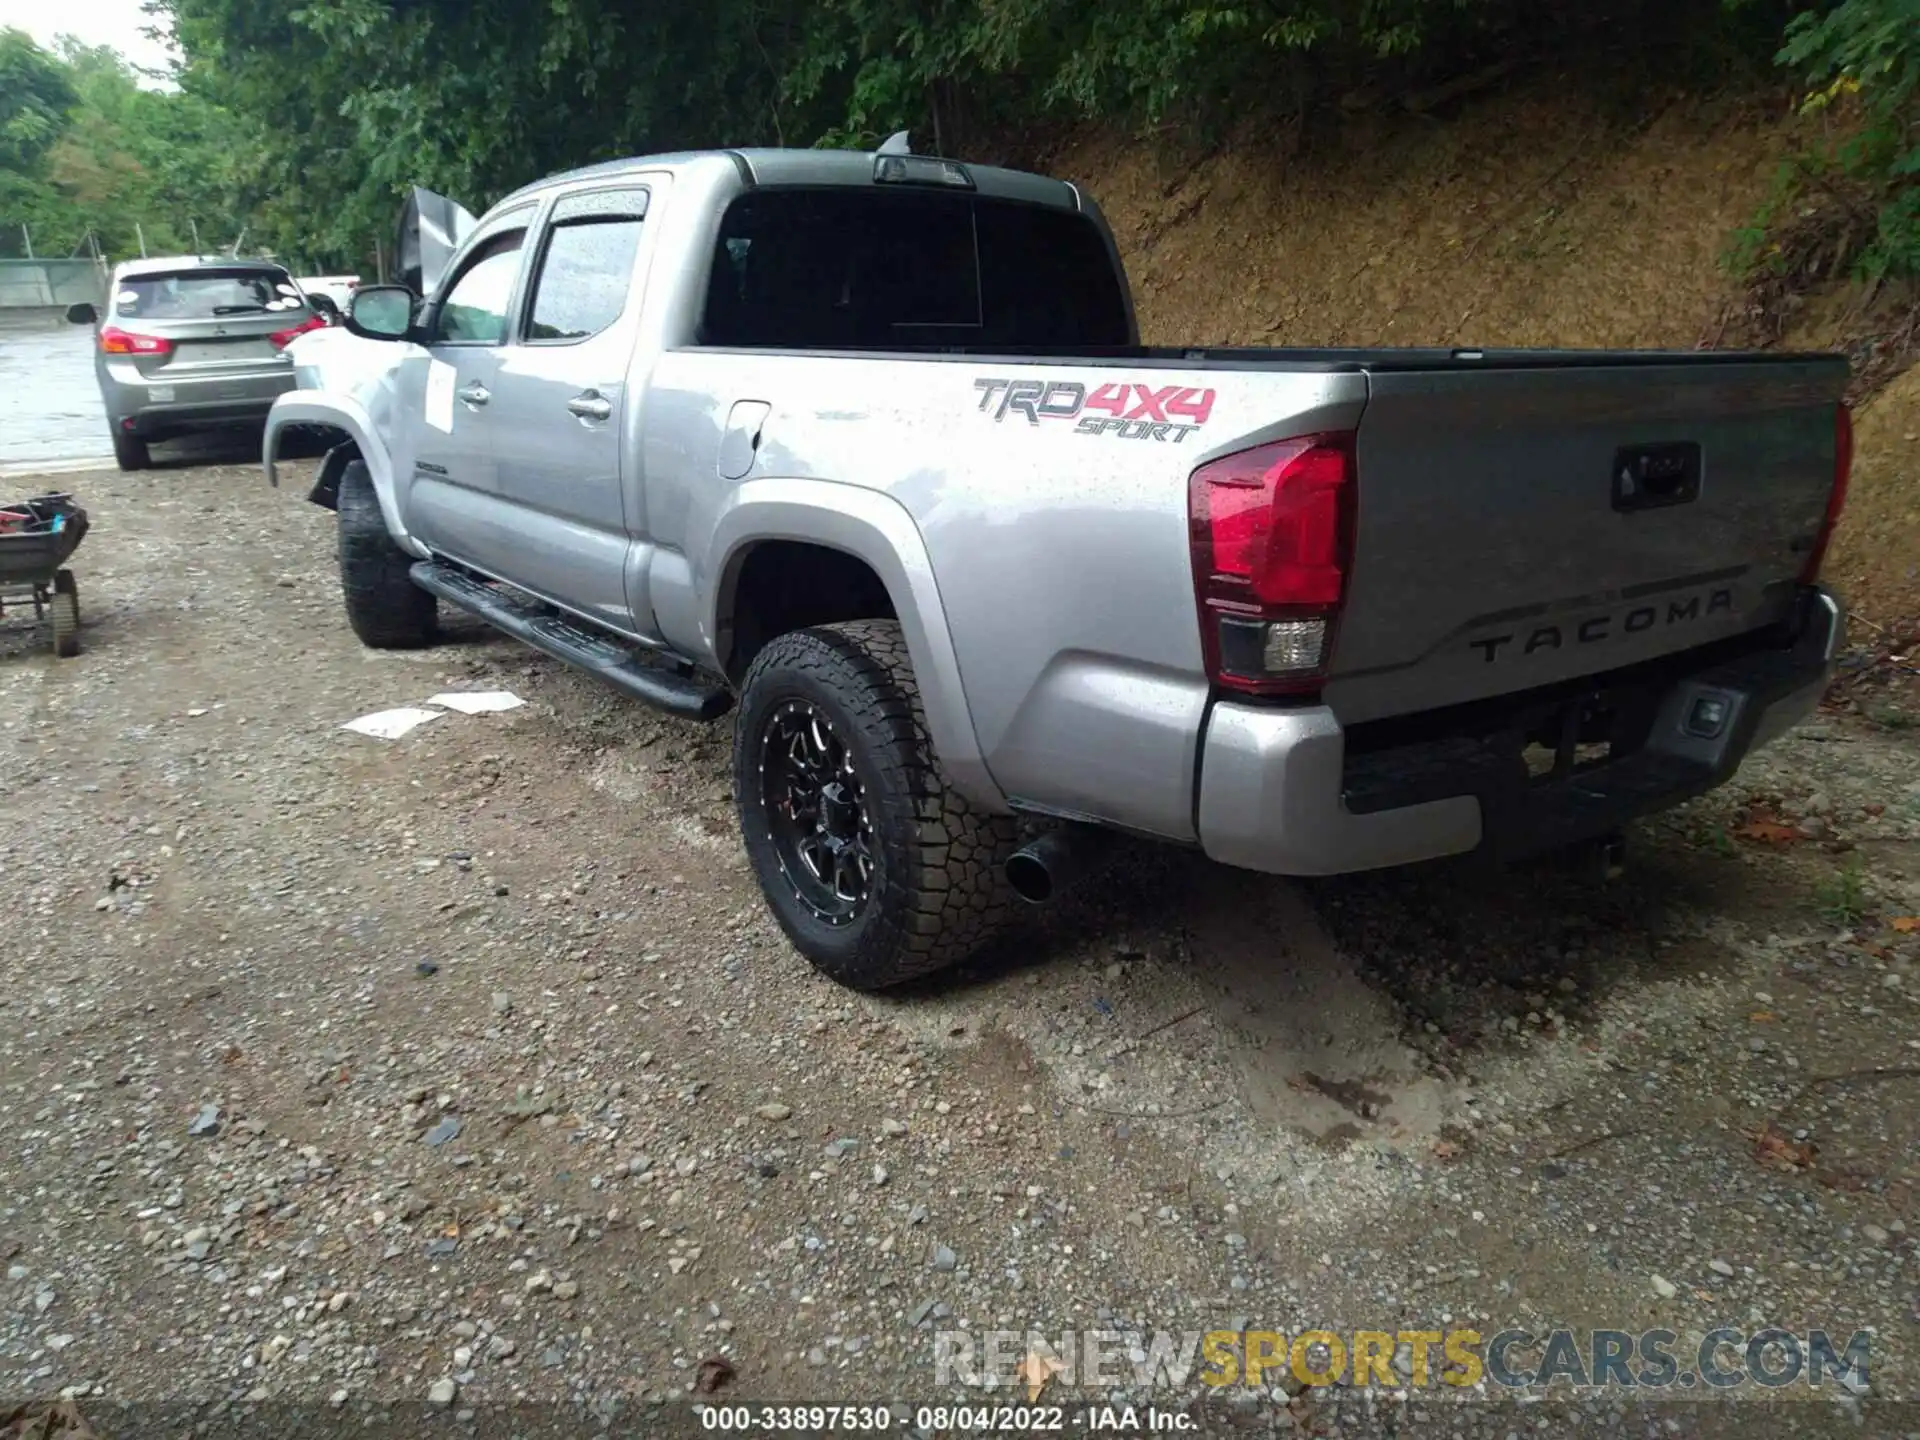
(1279, 791)
(157, 422)
(149, 407)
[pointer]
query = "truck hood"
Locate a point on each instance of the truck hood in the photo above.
(432, 227)
(340, 362)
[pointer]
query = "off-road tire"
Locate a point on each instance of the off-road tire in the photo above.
(384, 607)
(65, 615)
(130, 452)
(938, 893)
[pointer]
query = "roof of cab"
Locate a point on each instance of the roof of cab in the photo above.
(814, 167)
(174, 264)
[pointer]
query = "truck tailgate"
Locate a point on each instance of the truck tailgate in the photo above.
(1519, 525)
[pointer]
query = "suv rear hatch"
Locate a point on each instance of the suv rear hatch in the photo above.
(1523, 520)
(206, 321)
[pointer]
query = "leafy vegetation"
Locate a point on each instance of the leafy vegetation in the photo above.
(1841, 899)
(83, 148)
(36, 95)
(359, 98)
(1851, 205)
(310, 119)
(1868, 52)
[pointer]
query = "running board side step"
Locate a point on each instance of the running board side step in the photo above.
(600, 655)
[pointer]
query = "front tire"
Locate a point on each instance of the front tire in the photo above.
(878, 871)
(130, 452)
(384, 607)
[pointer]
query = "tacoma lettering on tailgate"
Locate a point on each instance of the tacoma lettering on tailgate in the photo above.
(1597, 629)
(1128, 409)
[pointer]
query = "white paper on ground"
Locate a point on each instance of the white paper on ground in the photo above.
(391, 724)
(439, 414)
(477, 702)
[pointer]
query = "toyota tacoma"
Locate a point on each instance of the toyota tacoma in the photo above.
(864, 449)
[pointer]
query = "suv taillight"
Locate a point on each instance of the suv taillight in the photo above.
(1272, 535)
(1836, 497)
(115, 341)
(283, 338)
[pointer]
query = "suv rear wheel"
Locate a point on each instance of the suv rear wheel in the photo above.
(130, 451)
(384, 607)
(876, 869)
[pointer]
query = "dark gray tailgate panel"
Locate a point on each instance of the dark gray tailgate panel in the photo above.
(1488, 554)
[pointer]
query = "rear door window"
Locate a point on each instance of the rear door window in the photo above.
(874, 269)
(206, 294)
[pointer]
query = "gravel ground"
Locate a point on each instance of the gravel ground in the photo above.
(359, 1084)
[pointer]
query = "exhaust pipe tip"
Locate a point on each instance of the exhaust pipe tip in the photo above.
(1027, 873)
(1050, 866)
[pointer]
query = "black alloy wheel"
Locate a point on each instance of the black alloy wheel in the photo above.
(816, 806)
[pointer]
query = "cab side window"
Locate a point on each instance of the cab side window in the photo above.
(475, 309)
(586, 268)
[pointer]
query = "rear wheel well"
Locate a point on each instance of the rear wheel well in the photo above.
(787, 585)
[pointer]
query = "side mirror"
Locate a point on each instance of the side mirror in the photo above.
(322, 304)
(82, 314)
(381, 312)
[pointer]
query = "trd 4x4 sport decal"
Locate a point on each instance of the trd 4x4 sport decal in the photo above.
(1129, 409)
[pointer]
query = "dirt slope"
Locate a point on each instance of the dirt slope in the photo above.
(1542, 216)
(1876, 554)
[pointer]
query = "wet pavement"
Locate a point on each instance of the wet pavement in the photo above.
(51, 417)
(50, 411)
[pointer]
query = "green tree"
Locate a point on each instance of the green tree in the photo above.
(142, 162)
(1867, 53)
(36, 96)
(360, 99)
(86, 148)
(349, 102)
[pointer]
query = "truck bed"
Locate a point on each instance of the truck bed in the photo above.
(1486, 555)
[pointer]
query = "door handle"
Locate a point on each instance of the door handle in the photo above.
(591, 406)
(474, 394)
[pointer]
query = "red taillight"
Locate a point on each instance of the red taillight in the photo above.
(115, 341)
(1271, 533)
(283, 338)
(1836, 497)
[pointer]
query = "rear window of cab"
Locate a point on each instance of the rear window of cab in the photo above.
(869, 268)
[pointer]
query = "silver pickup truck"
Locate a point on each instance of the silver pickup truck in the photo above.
(864, 448)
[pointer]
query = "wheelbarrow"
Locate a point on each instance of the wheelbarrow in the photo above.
(36, 538)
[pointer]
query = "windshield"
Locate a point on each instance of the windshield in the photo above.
(206, 294)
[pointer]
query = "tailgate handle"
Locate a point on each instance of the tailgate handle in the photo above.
(1651, 477)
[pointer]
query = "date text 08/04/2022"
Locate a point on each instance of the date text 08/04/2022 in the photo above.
(963, 1419)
